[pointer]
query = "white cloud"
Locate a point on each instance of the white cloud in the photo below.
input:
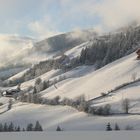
(11, 46)
(112, 13)
(117, 12)
(43, 28)
(82, 34)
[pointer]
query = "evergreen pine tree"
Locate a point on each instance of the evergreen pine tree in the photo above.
(18, 128)
(29, 127)
(5, 128)
(1, 127)
(11, 127)
(58, 128)
(38, 127)
(108, 128)
(10, 104)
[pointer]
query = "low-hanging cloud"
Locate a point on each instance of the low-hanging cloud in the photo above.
(11, 47)
(117, 13)
(111, 14)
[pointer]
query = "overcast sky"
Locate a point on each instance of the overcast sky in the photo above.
(44, 18)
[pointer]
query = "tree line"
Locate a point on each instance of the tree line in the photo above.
(12, 128)
(117, 127)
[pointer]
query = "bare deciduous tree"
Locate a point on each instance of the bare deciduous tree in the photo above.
(126, 105)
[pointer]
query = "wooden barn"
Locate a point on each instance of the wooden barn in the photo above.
(138, 53)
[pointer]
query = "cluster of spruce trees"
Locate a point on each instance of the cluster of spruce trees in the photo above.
(12, 128)
(109, 128)
(117, 128)
(109, 48)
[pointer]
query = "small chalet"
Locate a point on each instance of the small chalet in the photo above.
(10, 93)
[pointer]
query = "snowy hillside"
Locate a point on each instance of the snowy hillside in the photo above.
(55, 74)
(10, 72)
(83, 80)
(74, 52)
(92, 85)
(72, 72)
(46, 76)
(20, 74)
(29, 51)
(59, 44)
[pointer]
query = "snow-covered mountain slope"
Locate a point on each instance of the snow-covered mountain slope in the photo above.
(47, 76)
(16, 76)
(74, 52)
(96, 82)
(29, 52)
(10, 72)
(59, 44)
(56, 74)
(101, 50)
(67, 118)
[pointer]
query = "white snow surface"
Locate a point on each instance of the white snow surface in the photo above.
(96, 82)
(44, 77)
(68, 118)
(55, 74)
(80, 135)
(74, 52)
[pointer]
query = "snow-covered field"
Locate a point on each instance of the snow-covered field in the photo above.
(130, 92)
(123, 135)
(66, 117)
(77, 50)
